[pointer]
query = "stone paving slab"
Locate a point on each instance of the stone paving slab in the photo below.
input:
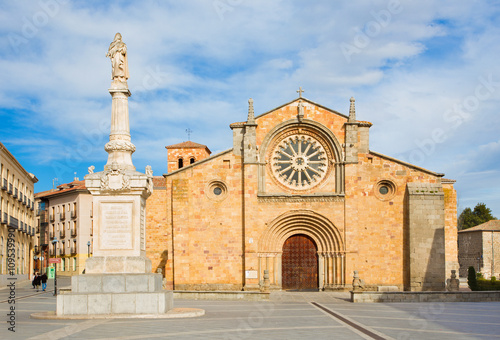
(287, 316)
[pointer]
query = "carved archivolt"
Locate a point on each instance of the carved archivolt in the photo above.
(327, 237)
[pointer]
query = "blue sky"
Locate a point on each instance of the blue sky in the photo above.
(425, 73)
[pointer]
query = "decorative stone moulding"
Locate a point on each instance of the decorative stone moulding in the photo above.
(119, 145)
(216, 190)
(385, 190)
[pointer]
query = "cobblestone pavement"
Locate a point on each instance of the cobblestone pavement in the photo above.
(297, 315)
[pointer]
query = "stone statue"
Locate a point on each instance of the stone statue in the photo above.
(91, 169)
(117, 52)
(149, 171)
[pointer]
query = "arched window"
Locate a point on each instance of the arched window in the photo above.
(191, 160)
(181, 163)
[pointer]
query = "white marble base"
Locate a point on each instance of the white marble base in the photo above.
(108, 294)
(114, 303)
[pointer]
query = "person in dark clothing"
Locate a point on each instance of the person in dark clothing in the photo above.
(43, 278)
(36, 280)
(34, 277)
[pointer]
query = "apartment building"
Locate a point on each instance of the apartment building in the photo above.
(64, 220)
(16, 217)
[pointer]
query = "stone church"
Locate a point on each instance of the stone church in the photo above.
(300, 196)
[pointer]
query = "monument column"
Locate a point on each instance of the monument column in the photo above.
(118, 278)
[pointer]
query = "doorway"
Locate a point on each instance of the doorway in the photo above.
(299, 263)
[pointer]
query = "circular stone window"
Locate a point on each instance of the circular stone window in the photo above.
(385, 190)
(216, 190)
(299, 162)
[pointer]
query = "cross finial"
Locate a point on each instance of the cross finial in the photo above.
(299, 91)
(189, 131)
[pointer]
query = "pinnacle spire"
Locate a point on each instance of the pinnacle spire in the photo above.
(352, 111)
(251, 114)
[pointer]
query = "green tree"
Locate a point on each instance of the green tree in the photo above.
(470, 218)
(471, 279)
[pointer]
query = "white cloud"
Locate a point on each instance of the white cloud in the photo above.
(192, 66)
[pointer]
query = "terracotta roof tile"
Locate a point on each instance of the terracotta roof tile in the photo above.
(63, 188)
(187, 145)
(159, 182)
(493, 225)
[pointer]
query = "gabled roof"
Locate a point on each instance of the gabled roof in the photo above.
(305, 100)
(189, 166)
(493, 225)
(62, 189)
(188, 145)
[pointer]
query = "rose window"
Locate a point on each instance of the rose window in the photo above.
(299, 162)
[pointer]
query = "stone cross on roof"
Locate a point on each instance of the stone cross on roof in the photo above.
(299, 91)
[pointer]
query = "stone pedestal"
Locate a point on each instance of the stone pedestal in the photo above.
(107, 294)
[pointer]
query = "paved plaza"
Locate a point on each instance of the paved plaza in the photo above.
(297, 315)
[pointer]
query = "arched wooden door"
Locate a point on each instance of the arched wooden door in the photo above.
(299, 263)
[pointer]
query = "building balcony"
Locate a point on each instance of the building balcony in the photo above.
(73, 250)
(10, 189)
(24, 200)
(20, 196)
(4, 184)
(38, 228)
(15, 195)
(73, 232)
(73, 214)
(53, 252)
(62, 233)
(52, 218)
(13, 222)
(5, 218)
(51, 235)
(29, 202)
(21, 226)
(32, 206)
(62, 251)
(62, 216)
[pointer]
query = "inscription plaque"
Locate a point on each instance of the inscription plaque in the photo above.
(116, 225)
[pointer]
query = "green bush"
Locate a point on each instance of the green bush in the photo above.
(471, 279)
(493, 279)
(484, 284)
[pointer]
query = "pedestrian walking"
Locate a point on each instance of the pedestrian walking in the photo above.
(44, 281)
(35, 274)
(37, 280)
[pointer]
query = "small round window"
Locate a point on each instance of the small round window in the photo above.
(385, 190)
(216, 190)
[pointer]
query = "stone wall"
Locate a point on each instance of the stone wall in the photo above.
(425, 296)
(475, 249)
(470, 248)
(425, 241)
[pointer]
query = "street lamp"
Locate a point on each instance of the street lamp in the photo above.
(54, 242)
(88, 249)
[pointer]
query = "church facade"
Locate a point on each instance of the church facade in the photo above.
(301, 197)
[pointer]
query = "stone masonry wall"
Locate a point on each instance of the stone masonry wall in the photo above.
(426, 244)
